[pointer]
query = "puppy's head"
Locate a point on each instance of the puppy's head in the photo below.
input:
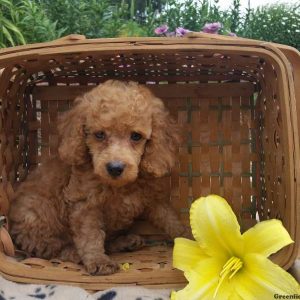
(122, 129)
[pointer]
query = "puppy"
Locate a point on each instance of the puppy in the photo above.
(115, 145)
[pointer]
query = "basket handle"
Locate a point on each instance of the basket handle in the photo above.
(225, 38)
(71, 38)
(211, 36)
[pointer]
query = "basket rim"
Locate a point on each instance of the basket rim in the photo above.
(190, 38)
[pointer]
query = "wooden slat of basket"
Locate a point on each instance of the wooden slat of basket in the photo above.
(236, 154)
(139, 68)
(204, 150)
(215, 137)
(92, 287)
(248, 192)
(145, 262)
(287, 139)
(293, 70)
(293, 57)
(56, 93)
(195, 157)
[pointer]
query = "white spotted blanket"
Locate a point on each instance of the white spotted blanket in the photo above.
(12, 291)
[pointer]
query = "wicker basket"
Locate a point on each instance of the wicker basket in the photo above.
(235, 98)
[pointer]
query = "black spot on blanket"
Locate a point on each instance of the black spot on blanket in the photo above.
(50, 286)
(38, 296)
(51, 293)
(2, 295)
(108, 296)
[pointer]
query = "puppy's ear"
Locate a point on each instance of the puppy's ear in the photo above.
(160, 151)
(72, 148)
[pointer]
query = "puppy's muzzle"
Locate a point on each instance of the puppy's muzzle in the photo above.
(115, 168)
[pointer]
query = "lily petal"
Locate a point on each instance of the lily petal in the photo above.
(215, 227)
(203, 280)
(235, 296)
(266, 237)
(262, 279)
(196, 289)
(187, 254)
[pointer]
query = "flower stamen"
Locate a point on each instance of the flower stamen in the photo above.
(231, 267)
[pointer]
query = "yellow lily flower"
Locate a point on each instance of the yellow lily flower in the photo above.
(223, 263)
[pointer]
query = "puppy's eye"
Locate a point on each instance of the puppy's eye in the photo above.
(100, 135)
(135, 136)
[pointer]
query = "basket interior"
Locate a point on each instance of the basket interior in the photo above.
(227, 103)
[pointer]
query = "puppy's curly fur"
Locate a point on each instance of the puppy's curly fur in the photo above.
(115, 144)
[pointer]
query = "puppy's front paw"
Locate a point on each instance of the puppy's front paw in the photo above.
(130, 242)
(134, 242)
(101, 266)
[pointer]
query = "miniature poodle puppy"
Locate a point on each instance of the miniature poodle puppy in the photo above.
(115, 144)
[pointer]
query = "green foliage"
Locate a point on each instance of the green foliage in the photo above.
(137, 9)
(235, 16)
(78, 16)
(190, 14)
(10, 34)
(116, 17)
(131, 28)
(278, 23)
(34, 23)
(103, 18)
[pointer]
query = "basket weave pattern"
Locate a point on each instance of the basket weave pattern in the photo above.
(235, 99)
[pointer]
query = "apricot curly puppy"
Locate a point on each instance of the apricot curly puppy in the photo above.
(115, 144)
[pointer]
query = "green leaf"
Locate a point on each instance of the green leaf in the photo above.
(10, 26)
(8, 36)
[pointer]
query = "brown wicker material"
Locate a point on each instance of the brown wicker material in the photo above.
(235, 98)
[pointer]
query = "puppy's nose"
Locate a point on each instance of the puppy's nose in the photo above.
(115, 168)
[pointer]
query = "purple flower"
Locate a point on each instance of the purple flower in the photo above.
(212, 27)
(180, 31)
(232, 34)
(161, 29)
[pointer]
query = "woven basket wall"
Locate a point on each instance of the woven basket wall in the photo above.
(235, 98)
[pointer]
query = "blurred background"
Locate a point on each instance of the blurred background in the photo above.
(31, 21)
